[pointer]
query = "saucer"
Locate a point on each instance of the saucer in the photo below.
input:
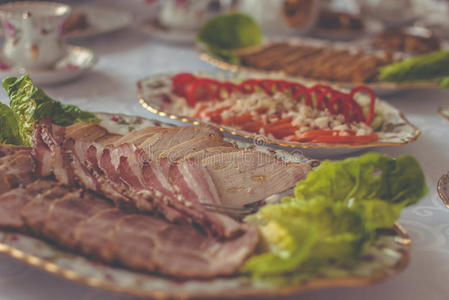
(76, 62)
(171, 35)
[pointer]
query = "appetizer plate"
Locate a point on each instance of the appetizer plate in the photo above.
(443, 189)
(171, 35)
(397, 130)
(387, 256)
(381, 88)
(76, 62)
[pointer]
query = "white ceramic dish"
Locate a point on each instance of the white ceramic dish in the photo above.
(75, 63)
(387, 256)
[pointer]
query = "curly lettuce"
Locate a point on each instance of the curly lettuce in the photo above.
(29, 104)
(336, 212)
(9, 130)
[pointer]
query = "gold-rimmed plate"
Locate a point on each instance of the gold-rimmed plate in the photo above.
(396, 131)
(389, 255)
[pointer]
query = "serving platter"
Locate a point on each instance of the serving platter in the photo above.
(381, 88)
(386, 257)
(397, 129)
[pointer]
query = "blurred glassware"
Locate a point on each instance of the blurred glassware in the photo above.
(434, 14)
(391, 13)
(190, 14)
(283, 16)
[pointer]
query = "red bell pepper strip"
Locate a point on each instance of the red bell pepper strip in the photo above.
(180, 83)
(370, 92)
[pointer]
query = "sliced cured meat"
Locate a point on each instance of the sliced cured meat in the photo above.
(161, 141)
(138, 136)
(6, 149)
(93, 235)
(46, 151)
(90, 132)
(35, 212)
(180, 251)
(181, 150)
(247, 176)
(12, 201)
(198, 156)
(109, 139)
(66, 213)
(16, 169)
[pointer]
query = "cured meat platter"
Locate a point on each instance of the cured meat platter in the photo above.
(385, 257)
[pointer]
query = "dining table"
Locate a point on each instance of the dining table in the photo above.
(128, 55)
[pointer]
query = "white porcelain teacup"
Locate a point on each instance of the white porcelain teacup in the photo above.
(33, 33)
(190, 14)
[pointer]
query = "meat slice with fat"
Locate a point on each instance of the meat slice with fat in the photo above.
(16, 169)
(136, 137)
(66, 213)
(247, 176)
(93, 235)
(180, 251)
(12, 201)
(35, 212)
(6, 149)
(181, 150)
(168, 138)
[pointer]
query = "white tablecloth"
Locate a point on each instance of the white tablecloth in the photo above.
(130, 55)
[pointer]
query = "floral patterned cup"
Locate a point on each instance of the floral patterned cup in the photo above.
(33, 35)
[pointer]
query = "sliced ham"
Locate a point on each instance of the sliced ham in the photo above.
(93, 235)
(34, 212)
(6, 149)
(138, 136)
(86, 223)
(246, 176)
(198, 156)
(12, 201)
(181, 150)
(65, 213)
(179, 251)
(168, 138)
(16, 169)
(90, 132)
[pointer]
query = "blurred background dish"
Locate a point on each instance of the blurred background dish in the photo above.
(88, 20)
(410, 40)
(178, 21)
(76, 62)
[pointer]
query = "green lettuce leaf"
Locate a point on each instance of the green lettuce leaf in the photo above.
(370, 176)
(9, 130)
(430, 66)
(336, 213)
(30, 104)
(230, 31)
